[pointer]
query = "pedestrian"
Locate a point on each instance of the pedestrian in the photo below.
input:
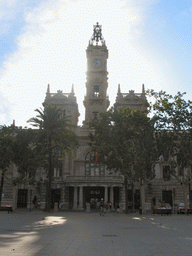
(105, 208)
(118, 208)
(108, 206)
(101, 207)
(34, 202)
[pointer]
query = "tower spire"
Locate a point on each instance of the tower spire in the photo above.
(72, 90)
(48, 92)
(48, 88)
(119, 89)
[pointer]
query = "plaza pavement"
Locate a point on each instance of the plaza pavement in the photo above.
(86, 234)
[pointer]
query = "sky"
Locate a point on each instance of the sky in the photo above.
(44, 42)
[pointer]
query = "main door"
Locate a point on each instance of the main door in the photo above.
(167, 196)
(22, 198)
(55, 197)
(93, 196)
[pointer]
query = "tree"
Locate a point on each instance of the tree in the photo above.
(27, 156)
(173, 120)
(6, 153)
(54, 130)
(125, 143)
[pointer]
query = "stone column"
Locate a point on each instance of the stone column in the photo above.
(75, 199)
(80, 198)
(111, 197)
(106, 194)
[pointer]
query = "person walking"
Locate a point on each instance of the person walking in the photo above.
(101, 207)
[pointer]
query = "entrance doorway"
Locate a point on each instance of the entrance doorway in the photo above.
(136, 199)
(116, 197)
(93, 196)
(22, 198)
(55, 197)
(167, 196)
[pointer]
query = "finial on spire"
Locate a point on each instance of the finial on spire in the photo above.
(97, 34)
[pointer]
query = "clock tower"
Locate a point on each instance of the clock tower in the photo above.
(96, 100)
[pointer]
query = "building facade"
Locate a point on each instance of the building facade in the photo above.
(81, 179)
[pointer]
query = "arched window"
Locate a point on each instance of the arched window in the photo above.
(92, 166)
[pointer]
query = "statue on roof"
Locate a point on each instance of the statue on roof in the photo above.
(97, 34)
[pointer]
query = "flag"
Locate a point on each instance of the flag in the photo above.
(90, 155)
(96, 155)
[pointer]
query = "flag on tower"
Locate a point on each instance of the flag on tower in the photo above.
(96, 155)
(90, 155)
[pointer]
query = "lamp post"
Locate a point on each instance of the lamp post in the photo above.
(30, 199)
(189, 192)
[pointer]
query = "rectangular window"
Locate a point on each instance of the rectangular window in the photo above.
(102, 171)
(96, 90)
(92, 171)
(166, 172)
(87, 169)
(95, 116)
(96, 171)
(56, 172)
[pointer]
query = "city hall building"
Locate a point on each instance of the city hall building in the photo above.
(81, 179)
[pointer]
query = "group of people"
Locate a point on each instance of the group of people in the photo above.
(105, 206)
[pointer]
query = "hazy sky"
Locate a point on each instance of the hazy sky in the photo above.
(44, 41)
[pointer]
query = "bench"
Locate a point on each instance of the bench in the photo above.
(189, 211)
(6, 208)
(162, 211)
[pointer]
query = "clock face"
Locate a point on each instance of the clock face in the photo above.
(96, 63)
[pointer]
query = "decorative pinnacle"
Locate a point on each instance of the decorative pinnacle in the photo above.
(48, 88)
(72, 90)
(97, 34)
(143, 88)
(119, 89)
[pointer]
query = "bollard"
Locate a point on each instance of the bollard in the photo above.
(88, 208)
(55, 207)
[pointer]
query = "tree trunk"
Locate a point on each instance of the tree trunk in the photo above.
(48, 192)
(185, 197)
(1, 188)
(133, 198)
(126, 196)
(143, 198)
(49, 182)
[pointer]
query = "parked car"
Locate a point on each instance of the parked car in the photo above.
(181, 208)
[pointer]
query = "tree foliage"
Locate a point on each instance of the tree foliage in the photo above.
(125, 143)
(173, 120)
(27, 156)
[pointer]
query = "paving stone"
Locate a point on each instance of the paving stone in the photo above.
(89, 234)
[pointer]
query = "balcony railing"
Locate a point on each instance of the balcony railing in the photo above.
(119, 178)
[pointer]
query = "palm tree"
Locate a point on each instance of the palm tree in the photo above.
(55, 130)
(6, 152)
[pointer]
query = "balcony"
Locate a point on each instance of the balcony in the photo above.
(118, 179)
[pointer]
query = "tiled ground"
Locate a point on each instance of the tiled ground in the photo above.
(87, 234)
